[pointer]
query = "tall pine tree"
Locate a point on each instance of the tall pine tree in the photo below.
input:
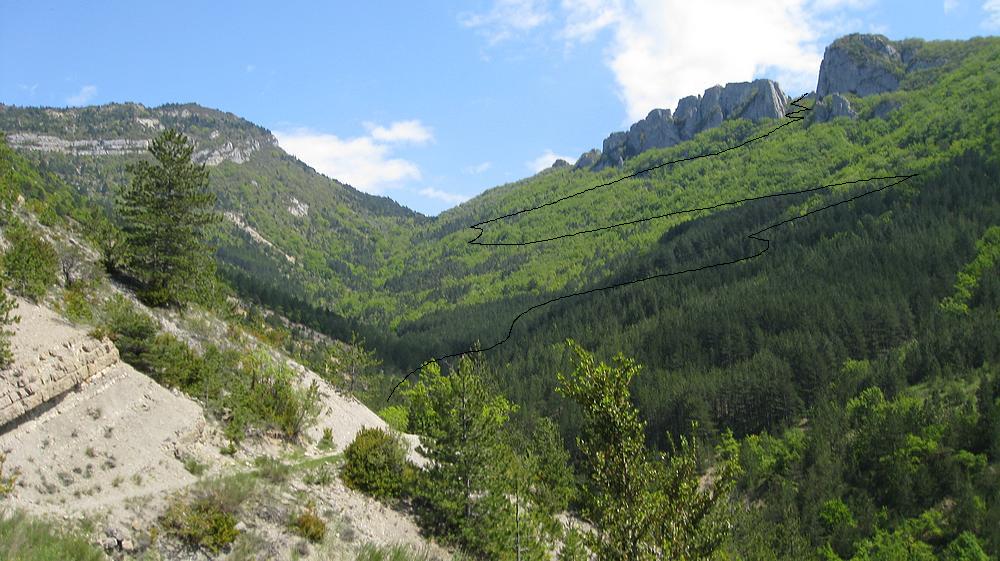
(462, 494)
(166, 208)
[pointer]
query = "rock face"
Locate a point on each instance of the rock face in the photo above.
(587, 159)
(859, 64)
(835, 106)
(760, 99)
(126, 130)
(613, 153)
(657, 130)
(89, 147)
(51, 373)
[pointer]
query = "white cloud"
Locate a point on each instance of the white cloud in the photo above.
(250, 68)
(546, 160)
(362, 162)
(401, 131)
(450, 198)
(992, 9)
(506, 18)
(661, 50)
(478, 168)
(85, 94)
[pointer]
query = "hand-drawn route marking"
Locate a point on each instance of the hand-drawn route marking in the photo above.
(793, 115)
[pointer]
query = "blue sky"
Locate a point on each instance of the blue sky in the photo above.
(431, 103)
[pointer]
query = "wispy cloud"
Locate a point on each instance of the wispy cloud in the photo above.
(401, 131)
(546, 160)
(364, 162)
(445, 196)
(478, 168)
(507, 18)
(31, 89)
(85, 94)
(662, 50)
(250, 68)
(992, 9)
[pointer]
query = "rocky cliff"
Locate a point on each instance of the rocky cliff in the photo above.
(861, 65)
(760, 99)
(51, 358)
(123, 129)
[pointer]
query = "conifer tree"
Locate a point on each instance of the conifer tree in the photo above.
(461, 494)
(165, 209)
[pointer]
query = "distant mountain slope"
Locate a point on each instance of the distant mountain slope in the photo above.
(287, 225)
(889, 107)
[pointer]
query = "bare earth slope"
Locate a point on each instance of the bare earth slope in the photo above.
(109, 443)
(117, 435)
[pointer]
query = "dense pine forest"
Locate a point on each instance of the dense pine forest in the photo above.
(837, 397)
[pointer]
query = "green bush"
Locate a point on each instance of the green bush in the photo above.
(195, 467)
(7, 319)
(321, 476)
(201, 523)
(131, 330)
(375, 463)
(25, 538)
(272, 469)
(309, 525)
(207, 519)
(326, 443)
(76, 305)
(30, 264)
(265, 396)
(396, 416)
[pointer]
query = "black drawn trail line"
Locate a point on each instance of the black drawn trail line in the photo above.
(793, 116)
(754, 236)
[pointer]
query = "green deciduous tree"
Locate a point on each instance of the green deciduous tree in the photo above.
(644, 507)
(165, 209)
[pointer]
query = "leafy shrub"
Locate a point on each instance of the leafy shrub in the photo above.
(208, 519)
(131, 330)
(396, 416)
(7, 307)
(201, 523)
(172, 363)
(309, 525)
(266, 396)
(6, 481)
(30, 264)
(326, 443)
(76, 306)
(32, 539)
(195, 467)
(375, 463)
(272, 469)
(321, 475)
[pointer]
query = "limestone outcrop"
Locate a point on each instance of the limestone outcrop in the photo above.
(831, 108)
(50, 367)
(760, 99)
(860, 64)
